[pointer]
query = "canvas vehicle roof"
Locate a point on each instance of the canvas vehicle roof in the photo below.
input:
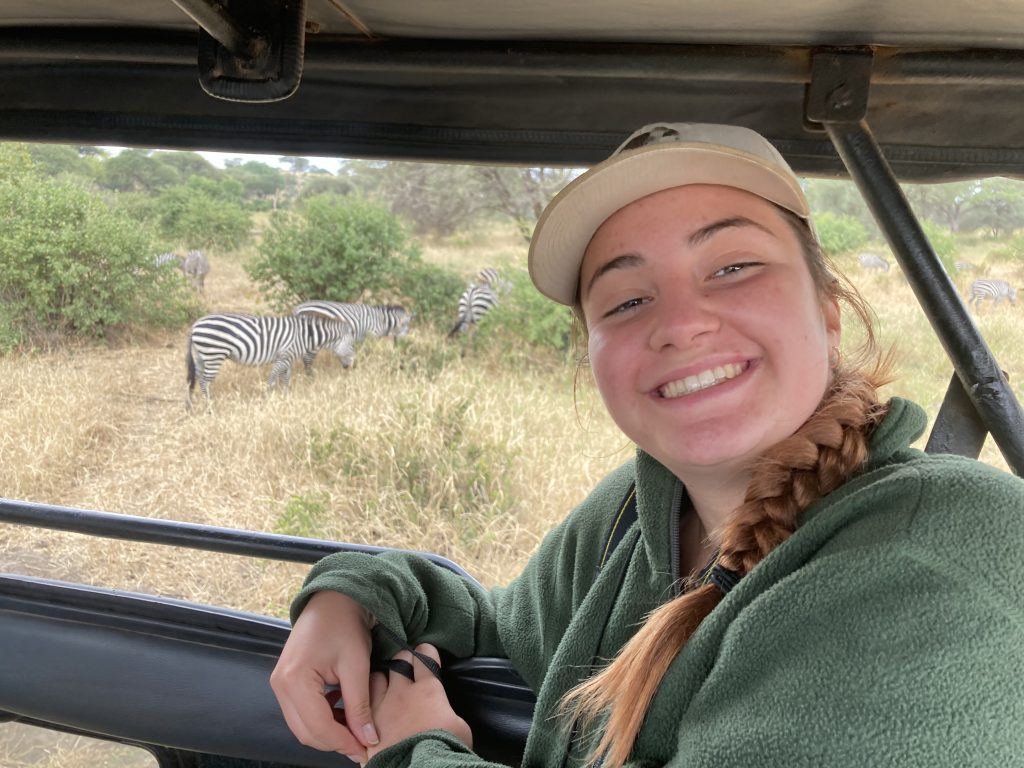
(531, 82)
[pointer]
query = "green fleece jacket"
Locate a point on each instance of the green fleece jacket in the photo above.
(888, 630)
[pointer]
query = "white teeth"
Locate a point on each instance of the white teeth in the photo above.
(702, 380)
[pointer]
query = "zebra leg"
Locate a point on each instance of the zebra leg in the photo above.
(280, 372)
(206, 371)
(307, 361)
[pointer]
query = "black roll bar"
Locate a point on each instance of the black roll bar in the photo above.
(232, 541)
(837, 100)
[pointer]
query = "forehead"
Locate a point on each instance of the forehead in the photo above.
(687, 209)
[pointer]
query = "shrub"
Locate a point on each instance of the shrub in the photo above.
(432, 293)
(69, 264)
(839, 234)
(334, 248)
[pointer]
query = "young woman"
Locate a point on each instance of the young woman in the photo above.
(801, 587)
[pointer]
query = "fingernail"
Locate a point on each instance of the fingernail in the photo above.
(371, 733)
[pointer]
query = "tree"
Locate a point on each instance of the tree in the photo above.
(57, 159)
(297, 164)
(135, 170)
(943, 203)
(260, 182)
(997, 206)
(188, 164)
(522, 193)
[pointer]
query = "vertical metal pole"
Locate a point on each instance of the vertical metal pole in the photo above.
(972, 359)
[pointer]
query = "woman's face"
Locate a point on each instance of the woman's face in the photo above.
(707, 336)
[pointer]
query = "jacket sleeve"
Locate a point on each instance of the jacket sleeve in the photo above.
(420, 602)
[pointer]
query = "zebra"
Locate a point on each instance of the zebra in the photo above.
(363, 319)
(255, 340)
(873, 261)
(987, 288)
(196, 267)
(964, 266)
(169, 258)
(475, 302)
(491, 277)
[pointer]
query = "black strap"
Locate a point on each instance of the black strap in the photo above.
(622, 523)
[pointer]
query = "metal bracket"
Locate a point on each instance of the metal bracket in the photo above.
(958, 427)
(249, 50)
(840, 83)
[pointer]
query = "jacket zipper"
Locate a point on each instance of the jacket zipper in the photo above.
(673, 527)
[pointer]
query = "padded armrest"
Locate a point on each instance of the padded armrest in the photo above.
(193, 677)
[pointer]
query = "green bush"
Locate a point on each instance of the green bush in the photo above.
(204, 214)
(334, 248)
(70, 265)
(942, 243)
(839, 234)
(432, 293)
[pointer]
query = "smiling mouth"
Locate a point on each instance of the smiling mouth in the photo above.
(703, 380)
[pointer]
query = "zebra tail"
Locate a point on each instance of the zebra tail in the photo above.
(190, 365)
(457, 329)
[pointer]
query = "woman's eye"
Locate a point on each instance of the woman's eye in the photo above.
(733, 269)
(626, 306)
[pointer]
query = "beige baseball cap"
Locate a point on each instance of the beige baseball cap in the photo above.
(657, 157)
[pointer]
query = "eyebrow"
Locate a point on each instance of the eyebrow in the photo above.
(702, 235)
(619, 262)
(705, 233)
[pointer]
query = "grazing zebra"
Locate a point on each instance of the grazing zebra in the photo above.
(964, 266)
(255, 340)
(169, 258)
(363, 320)
(490, 276)
(986, 288)
(475, 302)
(196, 267)
(873, 261)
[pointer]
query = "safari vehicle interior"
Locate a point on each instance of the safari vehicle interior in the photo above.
(920, 90)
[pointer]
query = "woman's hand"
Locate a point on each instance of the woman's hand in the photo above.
(329, 644)
(403, 707)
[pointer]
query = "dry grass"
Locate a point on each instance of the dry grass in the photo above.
(414, 448)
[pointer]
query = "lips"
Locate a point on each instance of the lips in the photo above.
(703, 380)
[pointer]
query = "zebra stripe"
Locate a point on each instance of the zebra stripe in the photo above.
(987, 288)
(162, 259)
(254, 340)
(475, 302)
(490, 276)
(363, 319)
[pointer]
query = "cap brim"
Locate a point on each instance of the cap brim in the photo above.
(570, 220)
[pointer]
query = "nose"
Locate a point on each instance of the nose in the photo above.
(680, 321)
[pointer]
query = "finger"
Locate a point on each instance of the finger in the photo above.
(355, 693)
(427, 659)
(402, 664)
(311, 718)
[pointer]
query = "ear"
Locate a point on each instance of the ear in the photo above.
(833, 320)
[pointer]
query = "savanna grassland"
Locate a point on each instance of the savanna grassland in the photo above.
(426, 444)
